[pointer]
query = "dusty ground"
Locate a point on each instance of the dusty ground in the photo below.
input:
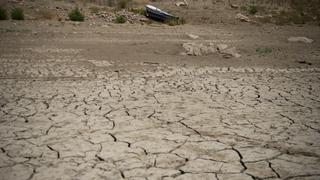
(119, 102)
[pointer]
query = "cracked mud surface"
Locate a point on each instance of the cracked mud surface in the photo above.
(66, 117)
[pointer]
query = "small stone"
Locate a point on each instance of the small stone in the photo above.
(300, 39)
(242, 17)
(229, 53)
(143, 19)
(192, 36)
(234, 6)
(182, 3)
(221, 47)
(198, 49)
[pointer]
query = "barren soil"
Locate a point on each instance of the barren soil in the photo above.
(106, 101)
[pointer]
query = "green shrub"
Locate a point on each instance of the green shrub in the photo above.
(3, 14)
(17, 14)
(76, 15)
(252, 9)
(120, 19)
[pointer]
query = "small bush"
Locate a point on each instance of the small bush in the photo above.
(3, 14)
(76, 15)
(17, 14)
(120, 19)
(252, 9)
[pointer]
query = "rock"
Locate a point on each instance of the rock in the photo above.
(144, 19)
(305, 62)
(182, 3)
(192, 36)
(234, 6)
(221, 47)
(242, 17)
(198, 49)
(300, 39)
(201, 49)
(193, 49)
(229, 53)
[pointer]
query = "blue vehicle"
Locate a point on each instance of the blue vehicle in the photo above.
(157, 14)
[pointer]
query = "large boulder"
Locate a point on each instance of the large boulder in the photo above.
(198, 49)
(202, 49)
(230, 52)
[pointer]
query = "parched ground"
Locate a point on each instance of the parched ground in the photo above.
(119, 102)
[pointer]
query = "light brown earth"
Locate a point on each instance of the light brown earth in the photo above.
(106, 101)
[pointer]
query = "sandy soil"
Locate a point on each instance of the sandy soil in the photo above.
(106, 101)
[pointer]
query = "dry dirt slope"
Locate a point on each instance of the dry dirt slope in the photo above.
(197, 11)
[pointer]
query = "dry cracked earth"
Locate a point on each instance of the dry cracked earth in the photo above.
(62, 119)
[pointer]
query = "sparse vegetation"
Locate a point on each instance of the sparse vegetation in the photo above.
(3, 14)
(76, 15)
(243, 8)
(141, 11)
(251, 9)
(286, 12)
(17, 14)
(176, 21)
(287, 17)
(121, 19)
(298, 18)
